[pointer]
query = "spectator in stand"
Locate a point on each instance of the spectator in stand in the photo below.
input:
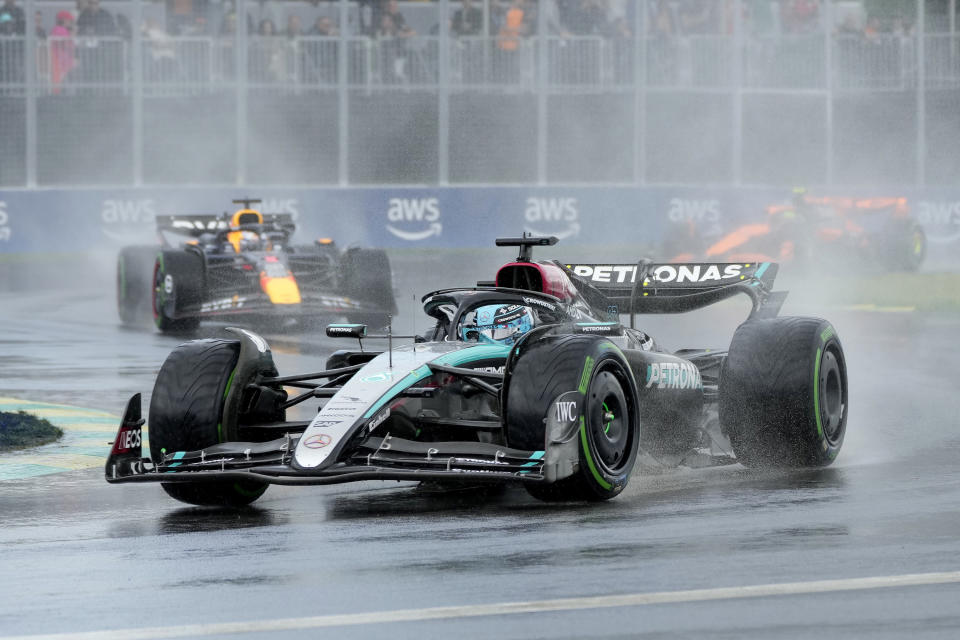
(467, 20)
(660, 19)
(268, 57)
(393, 31)
(124, 28)
(267, 28)
(95, 20)
(400, 27)
(161, 52)
(393, 50)
(97, 61)
(294, 27)
(323, 26)
(515, 27)
(62, 57)
(38, 25)
(800, 16)
(12, 23)
(320, 58)
(698, 17)
(587, 17)
(550, 11)
(12, 20)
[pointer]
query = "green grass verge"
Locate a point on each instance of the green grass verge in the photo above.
(922, 291)
(21, 430)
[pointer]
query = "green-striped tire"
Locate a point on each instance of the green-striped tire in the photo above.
(609, 434)
(186, 414)
(783, 393)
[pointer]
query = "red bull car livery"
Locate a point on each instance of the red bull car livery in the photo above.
(245, 266)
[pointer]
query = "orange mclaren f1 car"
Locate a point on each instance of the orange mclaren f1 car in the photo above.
(243, 266)
(809, 230)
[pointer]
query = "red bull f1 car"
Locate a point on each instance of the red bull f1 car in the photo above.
(244, 266)
(531, 379)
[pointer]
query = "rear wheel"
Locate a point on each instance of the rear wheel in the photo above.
(187, 414)
(907, 245)
(783, 393)
(609, 425)
(134, 282)
(177, 286)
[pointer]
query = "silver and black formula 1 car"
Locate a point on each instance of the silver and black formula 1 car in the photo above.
(244, 266)
(531, 379)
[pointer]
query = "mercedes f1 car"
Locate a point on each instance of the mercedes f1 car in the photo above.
(812, 230)
(531, 379)
(244, 266)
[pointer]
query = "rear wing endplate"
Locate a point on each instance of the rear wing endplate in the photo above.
(648, 287)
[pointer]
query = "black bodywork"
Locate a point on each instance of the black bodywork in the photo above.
(447, 415)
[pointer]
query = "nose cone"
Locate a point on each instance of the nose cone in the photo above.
(281, 290)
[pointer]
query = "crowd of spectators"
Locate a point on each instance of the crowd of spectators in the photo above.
(86, 43)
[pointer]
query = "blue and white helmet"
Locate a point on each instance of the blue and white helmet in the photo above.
(500, 323)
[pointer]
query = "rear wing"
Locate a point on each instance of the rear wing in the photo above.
(648, 287)
(197, 224)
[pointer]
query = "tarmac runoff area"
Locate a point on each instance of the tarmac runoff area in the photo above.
(87, 437)
(865, 548)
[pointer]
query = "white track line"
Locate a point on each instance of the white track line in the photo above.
(507, 608)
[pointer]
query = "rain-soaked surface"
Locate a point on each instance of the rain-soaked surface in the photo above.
(77, 555)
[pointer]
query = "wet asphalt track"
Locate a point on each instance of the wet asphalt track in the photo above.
(77, 555)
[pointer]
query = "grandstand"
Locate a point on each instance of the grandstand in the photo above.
(741, 92)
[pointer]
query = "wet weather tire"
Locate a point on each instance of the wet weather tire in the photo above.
(783, 393)
(186, 414)
(907, 246)
(178, 284)
(134, 282)
(609, 433)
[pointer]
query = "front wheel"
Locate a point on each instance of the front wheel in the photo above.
(134, 282)
(783, 393)
(595, 370)
(187, 414)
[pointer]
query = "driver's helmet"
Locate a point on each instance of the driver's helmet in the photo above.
(499, 323)
(250, 241)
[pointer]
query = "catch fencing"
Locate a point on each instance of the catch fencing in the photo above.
(633, 106)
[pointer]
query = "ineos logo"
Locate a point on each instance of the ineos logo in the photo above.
(128, 439)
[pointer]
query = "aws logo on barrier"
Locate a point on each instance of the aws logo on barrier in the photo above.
(4, 222)
(122, 219)
(940, 220)
(705, 214)
(414, 219)
(558, 217)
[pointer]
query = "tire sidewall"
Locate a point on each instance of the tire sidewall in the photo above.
(773, 405)
(555, 366)
(606, 482)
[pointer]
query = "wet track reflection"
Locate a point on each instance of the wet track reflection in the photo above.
(80, 555)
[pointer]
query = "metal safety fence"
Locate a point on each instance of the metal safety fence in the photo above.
(189, 64)
(537, 87)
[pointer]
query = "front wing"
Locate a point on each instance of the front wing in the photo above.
(386, 458)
